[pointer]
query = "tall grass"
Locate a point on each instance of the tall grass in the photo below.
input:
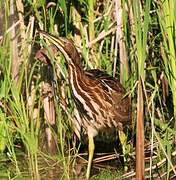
(167, 22)
(147, 42)
(141, 27)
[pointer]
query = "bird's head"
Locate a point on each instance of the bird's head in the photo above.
(65, 46)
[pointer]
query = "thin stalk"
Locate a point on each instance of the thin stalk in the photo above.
(91, 19)
(141, 33)
(14, 42)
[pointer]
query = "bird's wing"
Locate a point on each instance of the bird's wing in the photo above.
(107, 82)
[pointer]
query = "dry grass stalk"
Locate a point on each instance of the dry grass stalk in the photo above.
(49, 114)
(48, 99)
(124, 69)
(101, 36)
(14, 45)
(20, 10)
(26, 34)
(154, 167)
(140, 134)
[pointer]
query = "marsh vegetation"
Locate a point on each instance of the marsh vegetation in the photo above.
(134, 41)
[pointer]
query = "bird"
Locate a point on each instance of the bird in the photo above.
(101, 101)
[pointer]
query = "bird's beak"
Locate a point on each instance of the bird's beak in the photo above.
(57, 41)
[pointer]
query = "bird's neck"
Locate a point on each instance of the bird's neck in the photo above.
(75, 71)
(76, 75)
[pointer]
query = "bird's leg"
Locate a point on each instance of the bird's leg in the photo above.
(91, 152)
(91, 134)
(123, 140)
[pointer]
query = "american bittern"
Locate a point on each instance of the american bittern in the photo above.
(99, 98)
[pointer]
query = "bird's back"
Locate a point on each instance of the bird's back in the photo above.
(105, 102)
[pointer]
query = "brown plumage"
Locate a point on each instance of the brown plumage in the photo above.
(99, 98)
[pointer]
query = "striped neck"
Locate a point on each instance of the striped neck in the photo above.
(76, 75)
